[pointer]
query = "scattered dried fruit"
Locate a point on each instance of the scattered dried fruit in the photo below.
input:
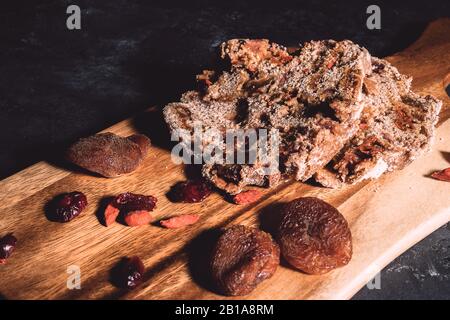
(131, 273)
(131, 202)
(108, 154)
(191, 191)
(111, 214)
(443, 175)
(138, 218)
(243, 257)
(314, 237)
(69, 206)
(134, 208)
(7, 246)
(246, 197)
(180, 221)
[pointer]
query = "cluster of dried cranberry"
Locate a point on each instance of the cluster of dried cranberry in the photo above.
(133, 208)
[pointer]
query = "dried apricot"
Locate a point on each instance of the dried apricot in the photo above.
(108, 154)
(314, 237)
(243, 257)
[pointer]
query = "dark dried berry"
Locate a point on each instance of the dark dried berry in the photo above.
(443, 175)
(190, 191)
(314, 237)
(7, 246)
(131, 273)
(69, 206)
(242, 258)
(128, 202)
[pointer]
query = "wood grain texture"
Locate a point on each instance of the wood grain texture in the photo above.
(386, 216)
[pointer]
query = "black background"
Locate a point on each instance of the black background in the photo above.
(57, 85)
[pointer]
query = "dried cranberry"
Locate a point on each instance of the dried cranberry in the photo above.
(7, 246)
(128, 202)
(70, 206)
(190, 191)
(134, 209)
(131, 273)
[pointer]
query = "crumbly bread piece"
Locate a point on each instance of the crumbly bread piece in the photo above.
(313, 97)
(397, 125)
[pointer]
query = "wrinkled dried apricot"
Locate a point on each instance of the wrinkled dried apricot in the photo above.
(246, 197)
(243, 257)
(180, 221)
(313, 236)
(108, 154)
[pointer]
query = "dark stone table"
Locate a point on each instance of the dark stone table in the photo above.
(57, 85)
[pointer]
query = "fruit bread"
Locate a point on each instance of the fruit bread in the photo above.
(312, 96)
(396, 126)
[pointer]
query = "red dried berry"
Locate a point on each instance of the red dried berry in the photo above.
(128, 202)
(443, 175)
(69, 206)
(138, 218)
(111, 214)
(133, 208)
(246, 197)
(131, 273)
(7, 246)
(191, 191)
(180, 221)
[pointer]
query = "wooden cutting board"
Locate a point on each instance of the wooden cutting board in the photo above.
(386, 216)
